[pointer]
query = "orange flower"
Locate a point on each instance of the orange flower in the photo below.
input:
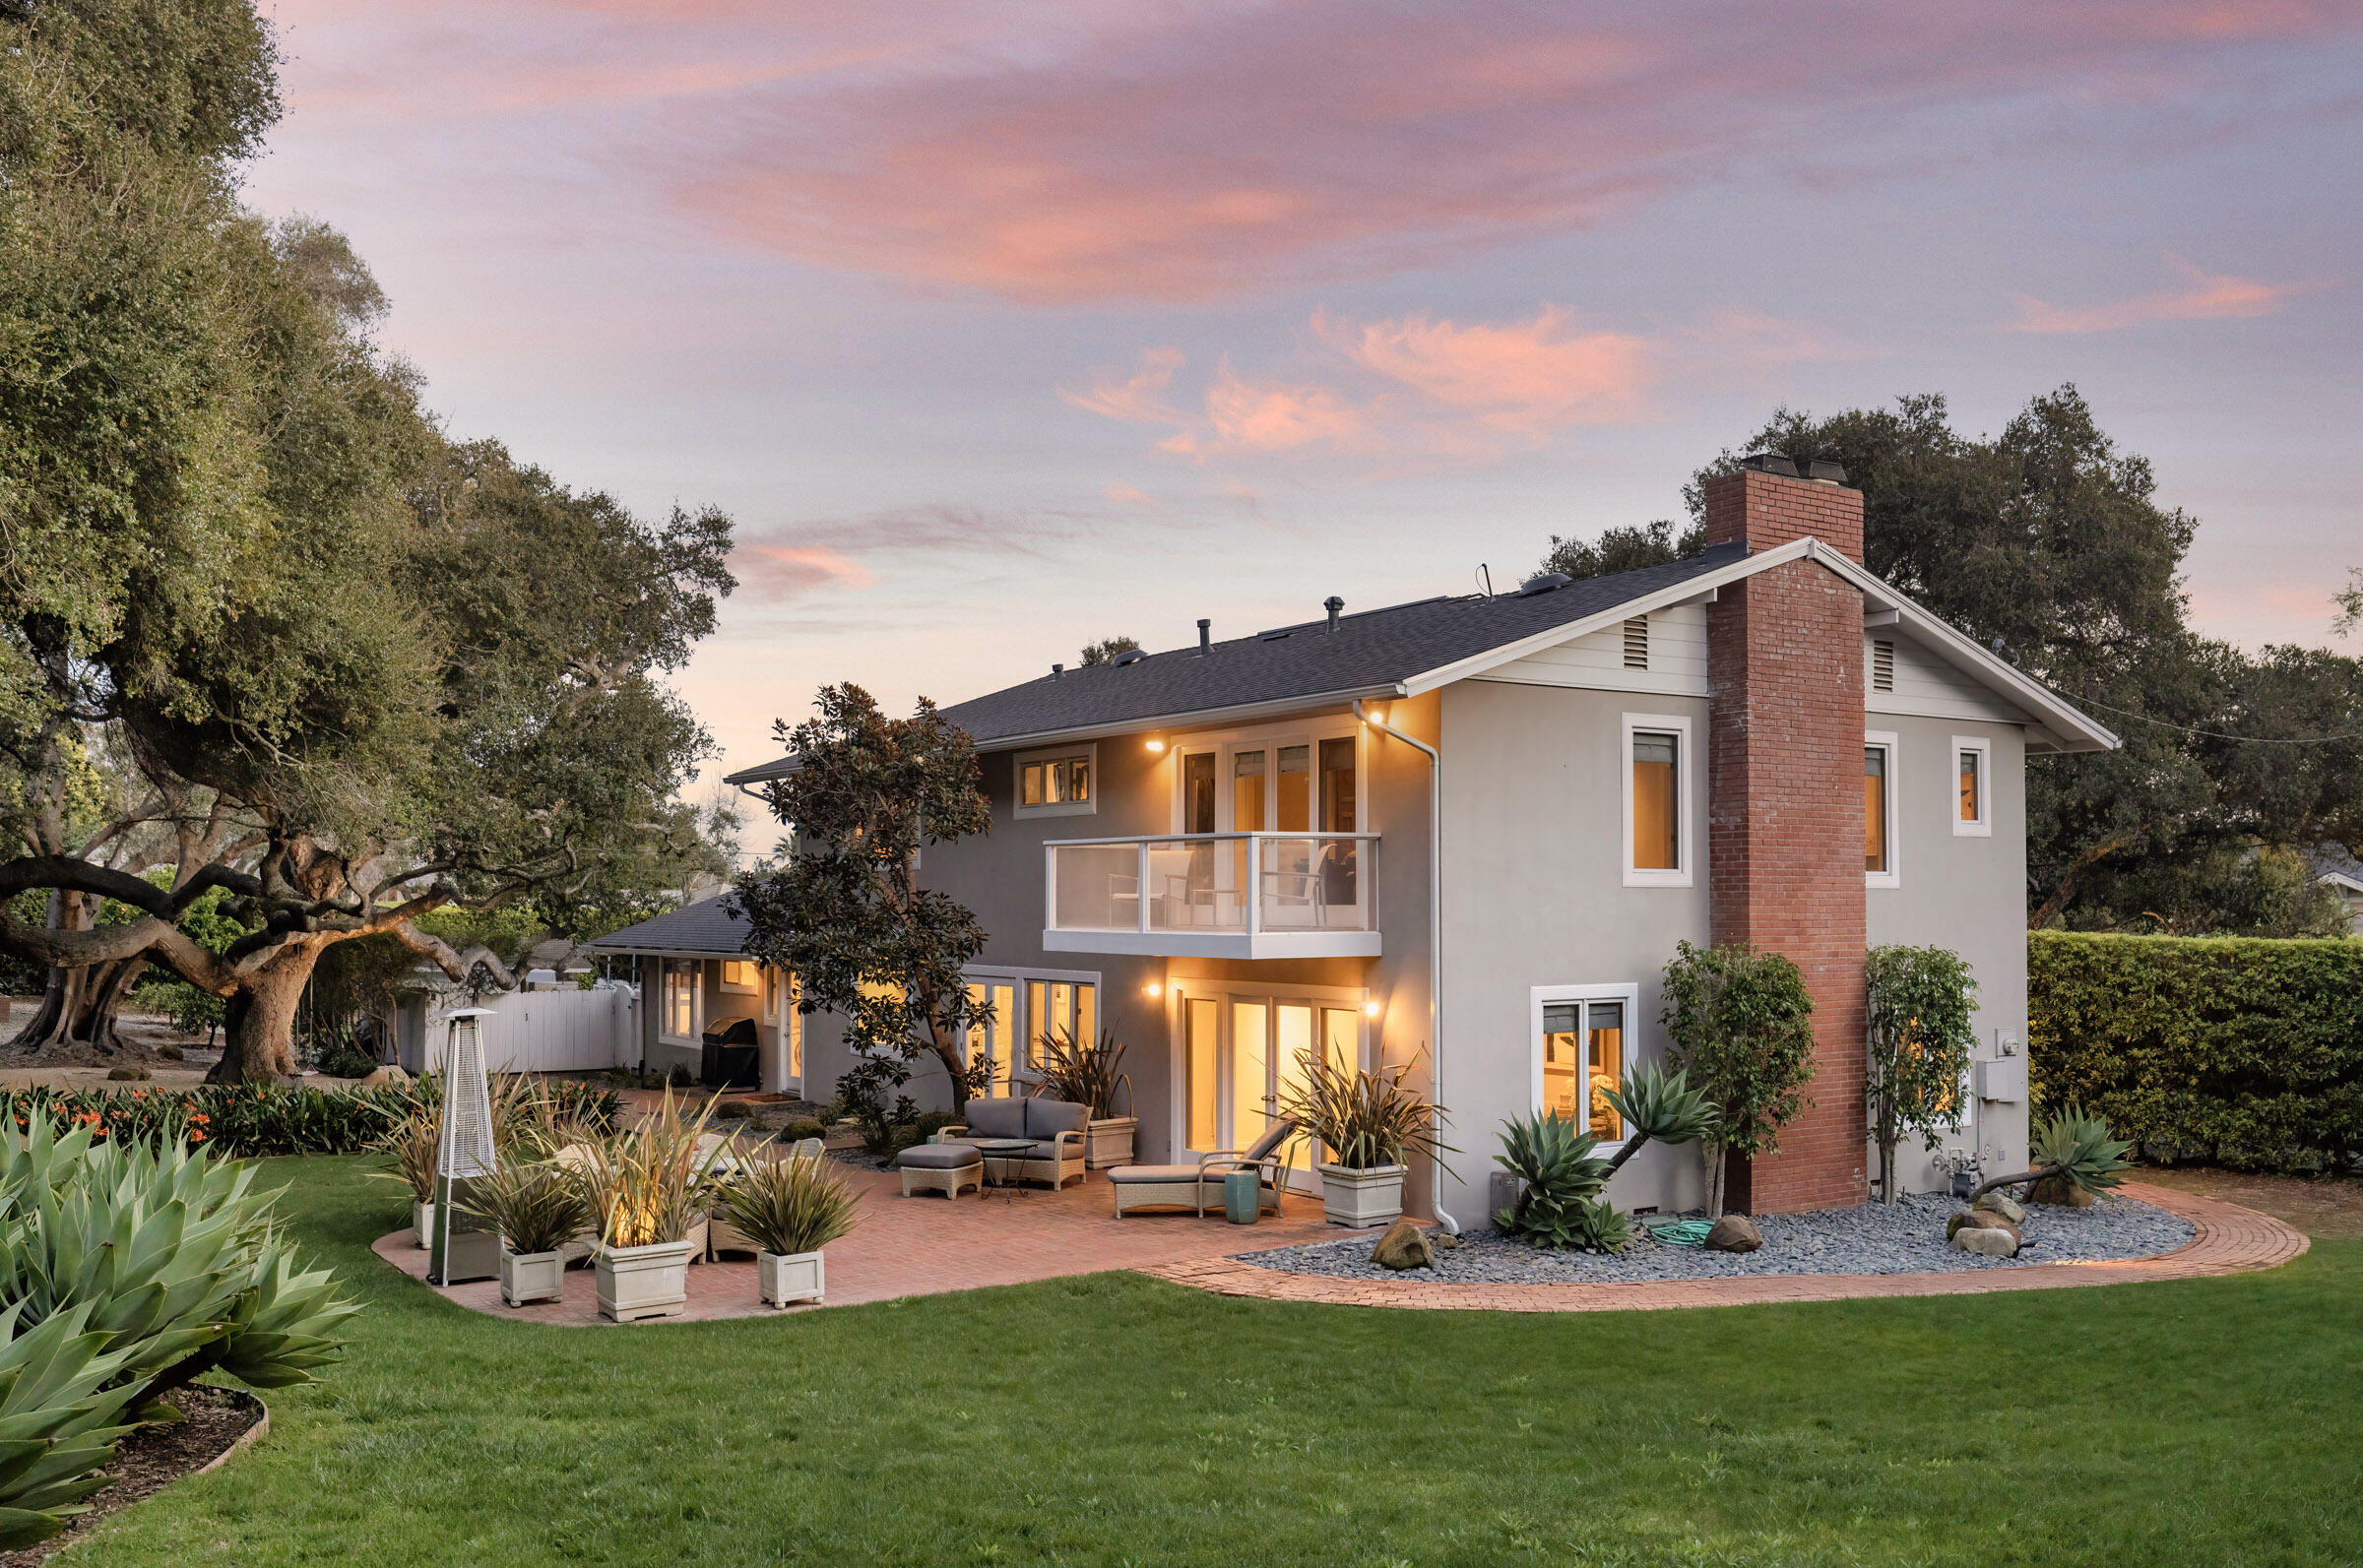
(195, 1136)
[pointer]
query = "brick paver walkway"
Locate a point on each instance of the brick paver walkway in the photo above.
(926, 1244)
(2230, 1240)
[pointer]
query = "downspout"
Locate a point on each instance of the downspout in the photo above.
(1435, 947)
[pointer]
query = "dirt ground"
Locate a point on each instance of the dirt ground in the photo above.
(145, 1037)
(2321, 1206)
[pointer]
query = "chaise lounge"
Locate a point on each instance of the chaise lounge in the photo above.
(1200, 1186)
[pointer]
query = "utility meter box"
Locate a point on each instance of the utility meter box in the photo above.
(2003, 1079)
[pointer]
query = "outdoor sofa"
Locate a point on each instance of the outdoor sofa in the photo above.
(1200, 1186)
(1053, 1130)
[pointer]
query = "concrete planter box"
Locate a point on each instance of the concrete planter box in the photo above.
(532, 1276)
(1108, 1141)
(1363, 1198)
(422, 1224)
(651, 1282)
(786, 1277)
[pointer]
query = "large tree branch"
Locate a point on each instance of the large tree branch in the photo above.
(157, 939)
(2074, 877)
(459, 966)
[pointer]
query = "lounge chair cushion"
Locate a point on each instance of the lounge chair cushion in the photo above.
(995, 1118)
(1048, 1117)
(1172, 1175)
(939, 1157)
(1053, 1150)
(1273, 1136)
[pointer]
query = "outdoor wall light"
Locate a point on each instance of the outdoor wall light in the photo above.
(1156, 746)
(1154, 989)
(1371, 1009)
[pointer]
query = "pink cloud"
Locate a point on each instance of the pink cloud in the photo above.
(1138, 397)
(2204, 296)
(788, 572)
(1521, 378)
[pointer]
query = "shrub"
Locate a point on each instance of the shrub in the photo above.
(61, 1416)
(342, 1062)
(644, 1183)
(414, 1144)
(1917, 1023)
(1741, 1027)
(789, 1206)
(805, 1127)
(1552, 1155)
(1085, 1072)
(1365, 1119)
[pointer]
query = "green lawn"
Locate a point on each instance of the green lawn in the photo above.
(1112, 1419)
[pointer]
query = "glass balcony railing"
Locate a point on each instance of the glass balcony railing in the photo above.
(1245, 885)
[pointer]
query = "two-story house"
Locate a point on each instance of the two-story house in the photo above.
(1467, 833)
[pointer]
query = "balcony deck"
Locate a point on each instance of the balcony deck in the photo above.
(1214, 895)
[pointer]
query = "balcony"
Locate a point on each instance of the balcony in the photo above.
(1214, 895)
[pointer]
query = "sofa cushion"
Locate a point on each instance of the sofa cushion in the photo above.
(939, 1157)
(1044, 1117)
(1049, 1149)
(995, 1118)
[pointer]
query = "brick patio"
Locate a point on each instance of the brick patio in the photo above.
(925, 1246)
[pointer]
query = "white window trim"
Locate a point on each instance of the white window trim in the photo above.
(1892, 876)
(695, 970)
(1686, 767)
(1024, 1029)
(1629, 994)
(1089, 752)
(1983, 826)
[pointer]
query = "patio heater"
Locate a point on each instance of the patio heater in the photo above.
(464, 1142)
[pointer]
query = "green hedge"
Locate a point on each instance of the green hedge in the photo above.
(2238, 1051)
(259, 1119)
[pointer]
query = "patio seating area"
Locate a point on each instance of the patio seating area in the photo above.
(925, 1246)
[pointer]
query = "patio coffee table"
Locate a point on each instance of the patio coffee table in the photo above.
(1000, 1155)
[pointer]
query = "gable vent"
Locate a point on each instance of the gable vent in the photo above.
(1882, 664)
(1636, 643)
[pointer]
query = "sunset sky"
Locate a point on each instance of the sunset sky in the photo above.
(1003, 327)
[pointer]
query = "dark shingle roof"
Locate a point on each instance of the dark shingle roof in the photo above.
(710, 927)
(1369, 652)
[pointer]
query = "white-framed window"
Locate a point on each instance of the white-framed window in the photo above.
(774, 993)
(1657, 766)
(1882, 862)
(678, 999)
(1972, 786)
(1583, 1041)
(739, 975)
(1028, 1004)
(1064, 782)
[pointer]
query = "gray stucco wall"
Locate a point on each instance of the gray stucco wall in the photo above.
(1966, 893)
(1534, 895)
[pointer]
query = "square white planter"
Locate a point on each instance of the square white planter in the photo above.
(422, 1224)
(651, 1282)
(1108, 1142)
(786, 1277)
(532, 1276)
(1363, 1198)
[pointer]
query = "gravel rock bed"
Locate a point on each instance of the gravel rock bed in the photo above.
(1907, 1238)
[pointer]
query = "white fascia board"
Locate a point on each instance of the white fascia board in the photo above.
(2068, 728)
(2339, 879)
(1687, 590)
(667, 952)
(1237, 713)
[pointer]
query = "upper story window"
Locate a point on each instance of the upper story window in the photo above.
(1973, 786)
(1058, 784)
(1265, 783)
(1878, 811)
(1657, 800)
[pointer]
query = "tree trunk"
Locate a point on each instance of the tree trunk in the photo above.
(1718, 1161)
(954, 1068)
(79, 1007)
(259, 1044)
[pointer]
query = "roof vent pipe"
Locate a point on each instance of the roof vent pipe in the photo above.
(1205, 635)
(1056, 671)
(1333, 604)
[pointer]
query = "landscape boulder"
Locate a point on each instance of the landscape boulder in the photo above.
(2062, 1193)
(1734, 1233)
(1986, 1240)
(385, 1076)
(128, 1075)
(1404, 1246)
(2002, 1204)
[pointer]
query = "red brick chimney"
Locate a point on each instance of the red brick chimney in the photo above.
(1785, 799)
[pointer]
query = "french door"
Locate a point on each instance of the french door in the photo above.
(1027, 1008)
(1242, 1055)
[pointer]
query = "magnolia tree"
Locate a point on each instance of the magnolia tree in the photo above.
(1919, 1000)
(1741, 1027)
(844, 910)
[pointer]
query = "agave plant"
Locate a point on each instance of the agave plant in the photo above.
(534, 1205)
(61, 1413)
(1365, 1119)
(1598, 1226)
(645, 1184)
(789, 1206)
(1085, 1072)
(1660, 1106)
(1554, 1157)
(2072, 1147)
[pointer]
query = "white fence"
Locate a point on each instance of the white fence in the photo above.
(535, 1032)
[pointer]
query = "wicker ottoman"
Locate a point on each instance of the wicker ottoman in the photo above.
(940, 1167)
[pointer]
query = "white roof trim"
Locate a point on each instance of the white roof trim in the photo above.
(2341, 879)
(2060, 726)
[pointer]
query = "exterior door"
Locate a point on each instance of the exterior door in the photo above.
(1242, 1056)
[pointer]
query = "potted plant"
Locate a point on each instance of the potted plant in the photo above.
(536, 1208)
(789, 1209)
(1088, 1073)
(1370, 1124)
(644, 1186)
(411, 1142)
